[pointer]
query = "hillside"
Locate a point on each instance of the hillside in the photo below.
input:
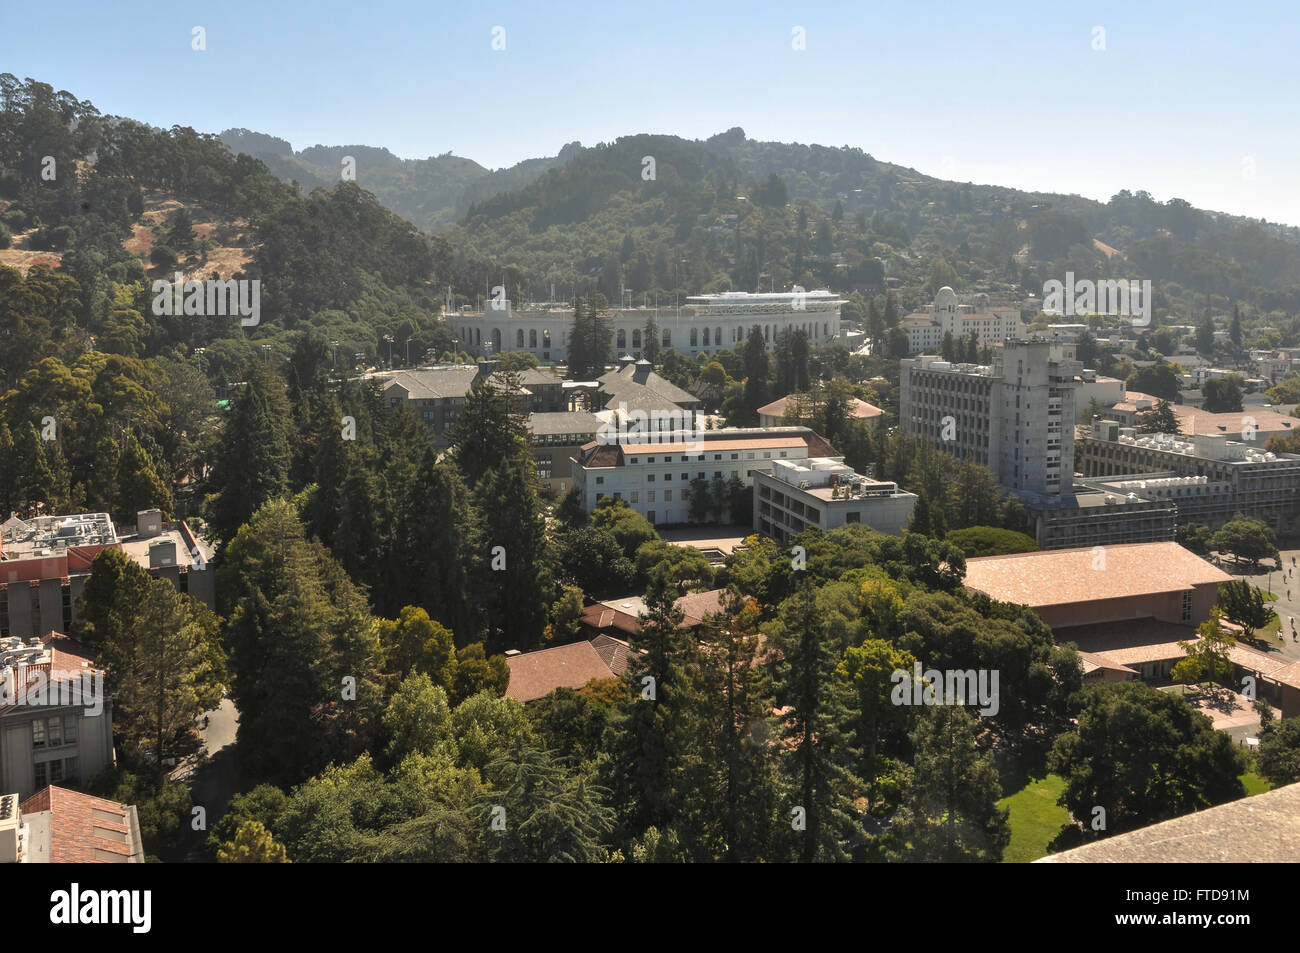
(431, 193)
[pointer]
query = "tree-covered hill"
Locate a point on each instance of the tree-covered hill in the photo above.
(432, 193)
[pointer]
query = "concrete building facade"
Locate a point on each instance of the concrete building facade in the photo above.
(946, 316)
(1015, 416)
(827, 494)
(705, 325)
(653, 473)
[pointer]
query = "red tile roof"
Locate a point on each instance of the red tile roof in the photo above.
(536, 674)
(85, 829)
(1088, 574)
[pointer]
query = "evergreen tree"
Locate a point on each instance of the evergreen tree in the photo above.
(252, 464)
(297, 628)
(819, 786)
(644, 737)
(490, 431)
(550, 814)
(166, 668)
(952, 813)
(728, 797)
(138, 484)
(1234, 330)
(513, 568)
(650, 341)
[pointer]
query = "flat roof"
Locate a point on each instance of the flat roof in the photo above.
(1064, 576)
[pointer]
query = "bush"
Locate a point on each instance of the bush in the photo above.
(990, 541)
(162, 256)
(6, 239)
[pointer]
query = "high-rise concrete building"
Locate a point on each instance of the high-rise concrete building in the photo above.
(1015, 416)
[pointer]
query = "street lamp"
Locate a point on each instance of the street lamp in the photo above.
(455, 350)
(408, 352)
(335, 362)
(389, 339)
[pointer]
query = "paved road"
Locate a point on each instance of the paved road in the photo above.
(215, 779)
(1285, 582)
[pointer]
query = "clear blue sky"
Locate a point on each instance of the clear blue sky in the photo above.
(1186, 99)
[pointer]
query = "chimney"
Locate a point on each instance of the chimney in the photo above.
(10, 828)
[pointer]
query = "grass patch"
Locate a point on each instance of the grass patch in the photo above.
(1254, 784)
(1036, 818)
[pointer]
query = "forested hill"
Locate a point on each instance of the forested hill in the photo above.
(744, 214)
(431, 193)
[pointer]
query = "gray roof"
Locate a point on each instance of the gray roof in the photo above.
(656, 390)
(563, 421)
(536, 375)
(1265, 827)
(432, 383)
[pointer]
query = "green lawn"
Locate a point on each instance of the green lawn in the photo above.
(1254, 784)
(1036, 818)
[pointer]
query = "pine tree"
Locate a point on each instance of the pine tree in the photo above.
(297, 628)
(516, 582)
(490, 432)
(167, 668)
(138, 485)
(728, 796)
(817, 780)
(644, 735)
(952, 812)
(252, 464)
(1234, 330)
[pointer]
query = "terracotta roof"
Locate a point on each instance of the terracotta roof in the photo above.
(613, 652)
(1064, 576)
(1265, 827)
(1092, 661)
(1192, 420)
(861, 409)
(83, 829)
(536, 674)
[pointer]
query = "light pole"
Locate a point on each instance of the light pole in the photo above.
(455, 350)
(408, 352)
(335, 362)
(266, 353)
(389, 339)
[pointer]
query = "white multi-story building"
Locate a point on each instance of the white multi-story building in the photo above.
(705, 325)
(1015, 416)
(653, 472)
(826, 493)
(926, 329)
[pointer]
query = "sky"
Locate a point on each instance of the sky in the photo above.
(1186, 99)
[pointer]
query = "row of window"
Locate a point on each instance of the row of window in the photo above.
(58, 771)
(54, 732)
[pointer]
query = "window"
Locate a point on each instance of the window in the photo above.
(636, 496)
(649, 459)
(685, 477)
(854, 517)
(735, 456)
(1187, 607)
(717, 474)
(38, 734)
(649, 477)
(668, 496)
(650, 496)
(716, 456)
(600, 481)
(667, 477)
